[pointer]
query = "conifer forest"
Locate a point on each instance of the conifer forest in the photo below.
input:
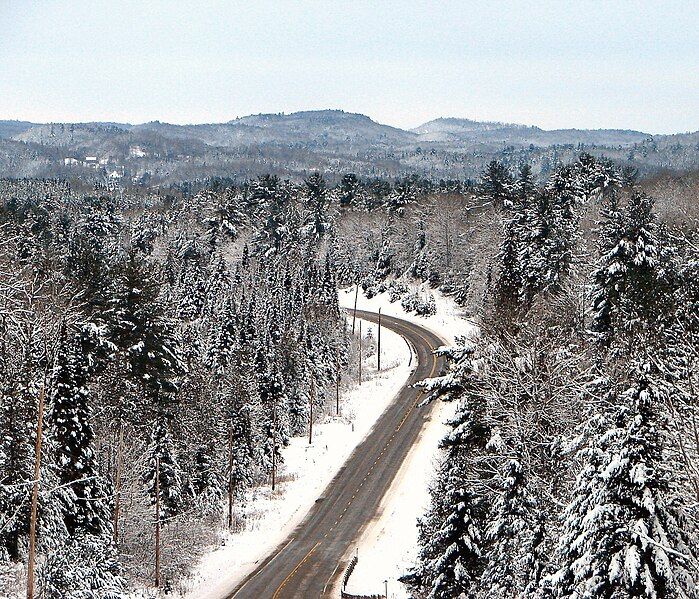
(160, 349)
(349, 300)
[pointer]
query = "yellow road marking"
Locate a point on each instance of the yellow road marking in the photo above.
(405, 417)
(281, 586)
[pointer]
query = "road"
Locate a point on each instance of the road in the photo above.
(314, 557)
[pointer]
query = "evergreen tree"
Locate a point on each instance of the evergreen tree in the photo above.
(456, 546)
(508, 536)
(631, 293)
(241, 468)
(161, 452)
(207, 482)
(140, 329)
(317, 224)
(274, 426)
(84, 567)
(16, 462)
(496, 185)
(349, 190)
(623, 532)
(72, 440)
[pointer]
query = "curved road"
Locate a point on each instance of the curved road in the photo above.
(314, 557)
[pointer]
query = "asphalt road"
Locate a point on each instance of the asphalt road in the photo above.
(314, 557)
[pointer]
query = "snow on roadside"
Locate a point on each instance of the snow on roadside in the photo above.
(388, 546)
(307, 470)
(449, 322)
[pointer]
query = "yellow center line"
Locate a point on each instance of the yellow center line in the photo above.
(281, 586)
(405, 417)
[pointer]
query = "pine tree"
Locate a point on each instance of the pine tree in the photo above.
(631, 291)
(274, 426)
(513, 254)
(83, 567)
(72, 437)
(272, 199)
(140, 328)
(496, 185)
(223, 217)
(451, 539)
(217, 284)
(349, 190)
(623, 532)
(240, 474)
(161, 451)
(317, 224)
(17, 423)
(403, 194)
(223, 338)
(508, 534)
(454, 551)
(207, 482)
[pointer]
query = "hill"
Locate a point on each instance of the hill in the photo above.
(331, 141)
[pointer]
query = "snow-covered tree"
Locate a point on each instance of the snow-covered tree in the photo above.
(508, 536)
(631, 284)
(496, 184)
(624, 533)
(72, 438)
(452, 553)
(162, 453)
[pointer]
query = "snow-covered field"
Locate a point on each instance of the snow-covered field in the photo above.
(388, 546)
(271, 517)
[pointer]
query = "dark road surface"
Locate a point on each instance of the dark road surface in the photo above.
(315, 555)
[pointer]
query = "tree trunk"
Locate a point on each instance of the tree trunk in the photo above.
(35, 494)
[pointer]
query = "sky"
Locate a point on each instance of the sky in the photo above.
(556, 64)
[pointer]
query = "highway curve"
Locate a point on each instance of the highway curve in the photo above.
(314, 557)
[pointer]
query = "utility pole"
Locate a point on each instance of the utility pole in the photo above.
(157, 522)
(337, 392)
(385, 582)
(312, 397)
(117, 482)
(360, 352)
(354, 316)
(230, 477)
(35, 493)
(378, 355)
(274, 444)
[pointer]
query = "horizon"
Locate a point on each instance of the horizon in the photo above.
(504, 122)
(570, 65)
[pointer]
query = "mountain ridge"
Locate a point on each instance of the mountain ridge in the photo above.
(324, 116)
(330, 141)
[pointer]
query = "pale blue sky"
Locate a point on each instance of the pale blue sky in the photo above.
(557, 64)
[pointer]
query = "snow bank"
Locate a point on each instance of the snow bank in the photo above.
(271, 517)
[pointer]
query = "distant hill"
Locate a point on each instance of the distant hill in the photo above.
(9, 129)
(332, 141)
(465, 130)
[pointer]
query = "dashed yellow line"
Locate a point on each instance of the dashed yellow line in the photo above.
(400, 425)
(303, 561)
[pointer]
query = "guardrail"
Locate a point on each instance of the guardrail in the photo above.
(345, 579)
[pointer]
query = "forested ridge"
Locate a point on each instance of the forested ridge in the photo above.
(179, 336)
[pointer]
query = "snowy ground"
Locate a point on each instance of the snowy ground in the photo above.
(388, 546)
(449, 321)
(307, 470)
